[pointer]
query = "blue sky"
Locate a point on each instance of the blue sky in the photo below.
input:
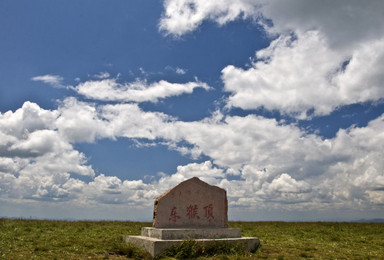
(105, 105)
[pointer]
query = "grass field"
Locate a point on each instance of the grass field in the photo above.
(38, 239)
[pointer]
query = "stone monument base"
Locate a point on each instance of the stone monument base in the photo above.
(156, 240)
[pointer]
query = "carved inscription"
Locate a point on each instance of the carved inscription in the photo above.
(173, 216)
(192, 212)
(208, 212)
(192, 203)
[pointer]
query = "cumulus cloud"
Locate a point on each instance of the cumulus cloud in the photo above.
(206, 171)
(275, 163)
(285, 79)
(299, 75)
(87, 122)
(325, 56)
(282, 164)
(183, 16)
(35, 160)
(261, 162)
(128, 120)
(344, 23)
(38, 161)
(79, 121)
(138, 91)
(112, 190)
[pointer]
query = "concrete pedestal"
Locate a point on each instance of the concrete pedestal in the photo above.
(156, 240)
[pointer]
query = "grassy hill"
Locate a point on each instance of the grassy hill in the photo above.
(40, 239)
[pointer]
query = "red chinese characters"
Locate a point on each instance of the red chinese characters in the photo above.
(173, 216)
(192, 212)
(208, 212)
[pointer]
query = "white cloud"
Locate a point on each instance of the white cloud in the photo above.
(112, 190)
(286, 184)
(183, 16)
(296, 76)
(238, 141)
(102, 75)
(281, 164)
(38, 161)
(363, 80)
(128, 120)
(262, 163)
(138, 91)
(305, 72)
(345, 23)
(273, 165)
(205, 171)
(86, 122)
(53, 80)
(180, 71)
(38, 143)
(285, 78)
(177, 70)
(30, 117)
(35, 160)
(79, 121)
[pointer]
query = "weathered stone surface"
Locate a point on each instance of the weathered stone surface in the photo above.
(191, 204)
(156, 246)
(190, 233)
(191, 210)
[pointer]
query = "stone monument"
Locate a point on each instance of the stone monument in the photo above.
(191, 210)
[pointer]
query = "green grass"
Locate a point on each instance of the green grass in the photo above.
(192, 249)
(317, 240)
(38, 239)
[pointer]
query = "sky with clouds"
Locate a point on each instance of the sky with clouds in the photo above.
(106, 105)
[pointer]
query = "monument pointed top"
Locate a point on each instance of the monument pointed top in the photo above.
(191, 203)
(193, 209)
(195, 180)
